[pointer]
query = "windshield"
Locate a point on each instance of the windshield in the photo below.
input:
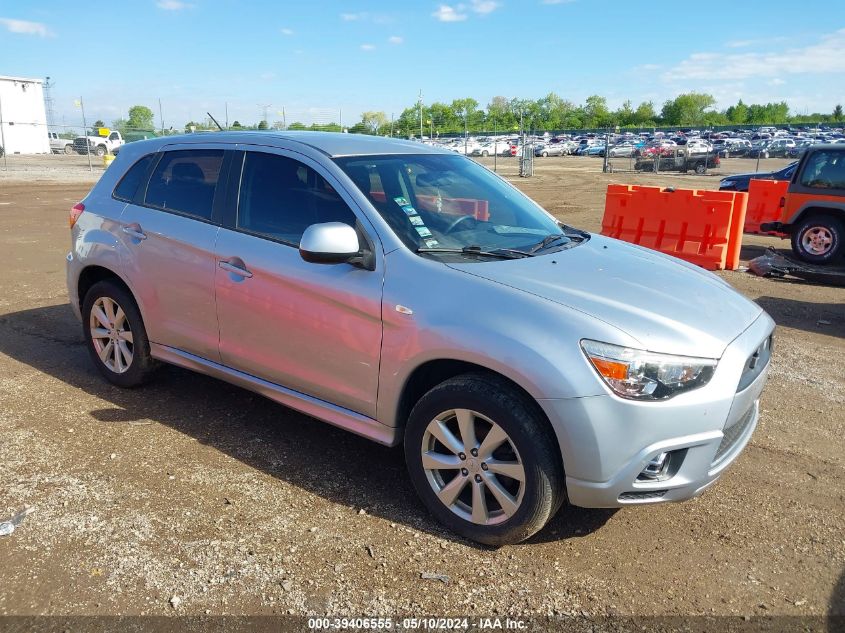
(435, 201)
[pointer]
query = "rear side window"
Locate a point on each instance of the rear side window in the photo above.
(825, 170)
(128, 185)
(184, 182)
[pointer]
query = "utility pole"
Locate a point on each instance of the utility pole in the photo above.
(226, 109)
(421, 121)
(3, 139)
(161, 117)
(264, 108)
(391, 125)
(85, 133)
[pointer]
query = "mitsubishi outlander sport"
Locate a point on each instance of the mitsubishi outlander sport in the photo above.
(413, 297)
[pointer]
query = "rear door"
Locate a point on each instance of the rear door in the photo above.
(313, 328)
(169, 232)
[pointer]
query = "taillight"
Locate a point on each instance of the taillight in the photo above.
(782, 202)
(75, 212)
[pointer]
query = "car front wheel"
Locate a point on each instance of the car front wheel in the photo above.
(484, 460)
(819, 239)
(115, 335)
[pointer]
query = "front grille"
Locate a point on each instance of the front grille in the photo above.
(80, 145)
(732, 435)
(642, 496)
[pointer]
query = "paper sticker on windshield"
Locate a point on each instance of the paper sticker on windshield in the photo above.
(416, 220)
(431, 243)
(423, 231)
(401, 201)
(409, 210)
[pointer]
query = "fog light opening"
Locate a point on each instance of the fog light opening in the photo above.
(662, 466)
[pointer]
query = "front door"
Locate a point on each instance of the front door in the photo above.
(313, 328)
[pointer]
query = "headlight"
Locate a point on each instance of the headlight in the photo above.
(640, 375)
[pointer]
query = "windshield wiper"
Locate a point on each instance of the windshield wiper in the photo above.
(499, 253)
(546, 242)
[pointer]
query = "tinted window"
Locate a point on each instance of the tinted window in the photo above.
(825, 170)
(280, 197)
(184, 181)
(128, 185)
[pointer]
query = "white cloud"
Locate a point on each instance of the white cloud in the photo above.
(777, 81)
(173, 5)
(739, 43)
(826, 56)
(445, 13)
(23, 27)
(286, 31)
(484, 6)
(368, 47)
(395, 39)
(352, 17)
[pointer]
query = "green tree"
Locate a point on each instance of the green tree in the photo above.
(296, 125)
(596, 112)
(140, 118)
(645, 114)
(737, 114)
(687, 109)
(237, 124)
(373, 121)
(262, 124)
(837, 112)
(99, 123)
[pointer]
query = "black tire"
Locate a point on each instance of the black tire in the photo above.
(68, 149)
(528, 432)
(101, 150)
(545, 154)
(700, 168)
(142, 365)
(834, 226)
(485, 153)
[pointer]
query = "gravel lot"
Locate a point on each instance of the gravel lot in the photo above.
(191, 496)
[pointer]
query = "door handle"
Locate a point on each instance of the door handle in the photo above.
(234, 268)
(134, 230)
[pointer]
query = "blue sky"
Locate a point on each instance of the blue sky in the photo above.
(318, 59)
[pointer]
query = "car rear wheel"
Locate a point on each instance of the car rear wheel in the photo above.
(115, 334)
(101, 150)
(483, 460)
(819, 239)
(700, 168)
(68, 149)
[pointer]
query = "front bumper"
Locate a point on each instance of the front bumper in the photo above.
(606, 441)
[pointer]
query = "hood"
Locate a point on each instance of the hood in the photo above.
(667, 305)
(756, 176)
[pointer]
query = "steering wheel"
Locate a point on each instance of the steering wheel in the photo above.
(454, 223)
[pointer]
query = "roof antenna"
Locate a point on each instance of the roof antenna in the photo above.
(219, 127)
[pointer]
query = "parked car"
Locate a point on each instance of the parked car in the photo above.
(622, 150)
(413, 297)
(731, 147)
(813, 209)
(594, 150)
(59, 145)
(96, 144)
(552, 149)
(682, 162)
(740, 182)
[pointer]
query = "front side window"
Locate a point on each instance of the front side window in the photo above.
(435, 201)
(184, 182)
(281, 197)
(825, 170)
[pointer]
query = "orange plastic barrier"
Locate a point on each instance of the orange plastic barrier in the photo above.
(764, 204)
(701, 227)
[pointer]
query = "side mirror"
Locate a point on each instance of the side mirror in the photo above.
(329, 243)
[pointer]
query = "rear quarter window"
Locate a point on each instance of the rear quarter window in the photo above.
(128, 185)
(184, 182)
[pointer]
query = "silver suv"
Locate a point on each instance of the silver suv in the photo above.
(411, 296)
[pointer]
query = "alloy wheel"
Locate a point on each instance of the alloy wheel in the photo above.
(111, 334)
(817, 240)
(473, 466)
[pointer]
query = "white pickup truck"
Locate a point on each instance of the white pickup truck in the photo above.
(60, 145)
(97, 145)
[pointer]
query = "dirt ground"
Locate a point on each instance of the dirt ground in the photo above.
(191, 496)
